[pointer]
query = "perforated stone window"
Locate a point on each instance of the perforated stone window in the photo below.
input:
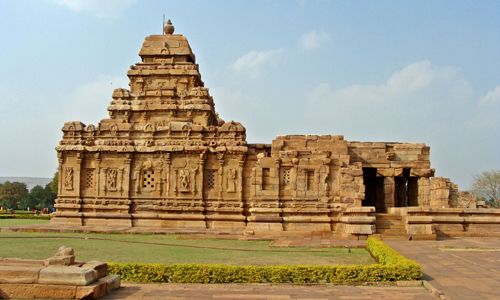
(211, 179)
(286, 177)
(89, 178)
(149, 180)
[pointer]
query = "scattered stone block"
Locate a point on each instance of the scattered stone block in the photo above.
(100, 268)
(63, 275)
(65, 256)
(19, 274)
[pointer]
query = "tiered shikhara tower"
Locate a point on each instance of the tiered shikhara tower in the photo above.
(165, 159)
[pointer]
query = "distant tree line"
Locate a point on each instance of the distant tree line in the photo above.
(486, 186)
(15, 195)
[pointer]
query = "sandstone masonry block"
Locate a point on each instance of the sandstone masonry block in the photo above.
(61, 275)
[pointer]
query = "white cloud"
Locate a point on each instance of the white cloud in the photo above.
(487, 113)
(492, 98)
(254, 62)
(90, 101)
(99, 8)
(422, 96)
(418, 84)
(313, 40)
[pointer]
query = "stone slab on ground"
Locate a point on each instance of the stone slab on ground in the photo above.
(62, 275)
(174, 291)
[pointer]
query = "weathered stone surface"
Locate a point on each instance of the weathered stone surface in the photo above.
(31, 291)
(100, 268)
(92, 291)
(64, 257)
(19, 274)
(112, 282)
(61, 275)
(164, 158)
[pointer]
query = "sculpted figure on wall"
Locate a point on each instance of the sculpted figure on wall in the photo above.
(136, 177)
(68, 178)
(231, 181)
(184, 180)
(111, 182)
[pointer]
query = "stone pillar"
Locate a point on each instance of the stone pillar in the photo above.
(277, 177)
(201, 164)
(424, 191)
(60, 173)
(127, 174)
(440, 193)
(105, 180)
(241, 162)
(220, 157)
(169, 163)
(294, 175)
(158, 178)
(98, 174)
(120, 182)
(389, 192)
(78, 171)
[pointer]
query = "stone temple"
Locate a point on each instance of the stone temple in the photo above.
(164, 158)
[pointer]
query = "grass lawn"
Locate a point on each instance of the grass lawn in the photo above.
(135, 248)
(15, 222)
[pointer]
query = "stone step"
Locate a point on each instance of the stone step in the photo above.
(389, 222)
(402, 237)
(400, 226)
(388, 217)
(391, 231)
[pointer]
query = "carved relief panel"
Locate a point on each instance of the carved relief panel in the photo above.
(231, 180)
(68, 178)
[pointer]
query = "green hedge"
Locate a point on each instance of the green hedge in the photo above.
(4, 216)
(392, 267)
(36, 217)
(24, 212)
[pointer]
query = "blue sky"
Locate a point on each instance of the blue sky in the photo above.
(382, 71)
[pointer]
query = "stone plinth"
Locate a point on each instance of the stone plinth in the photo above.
(56, 277)
(356, 223)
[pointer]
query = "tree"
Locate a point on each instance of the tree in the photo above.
(487, 184)
(54, 183)
(50, 196)
(38, 197)
(11, 194)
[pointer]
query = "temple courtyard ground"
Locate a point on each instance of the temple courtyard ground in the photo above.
(453, 268)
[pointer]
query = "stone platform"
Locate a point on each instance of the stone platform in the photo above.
(58, 277)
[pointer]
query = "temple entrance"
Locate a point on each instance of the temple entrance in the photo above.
(406, 190)
(374, 189)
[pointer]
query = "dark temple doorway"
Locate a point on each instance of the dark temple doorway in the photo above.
(406, 190)
(374, 189)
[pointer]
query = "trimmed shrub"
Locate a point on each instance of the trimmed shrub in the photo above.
(393, 267)
(35, 217)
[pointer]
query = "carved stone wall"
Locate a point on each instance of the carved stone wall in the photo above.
(164, 158)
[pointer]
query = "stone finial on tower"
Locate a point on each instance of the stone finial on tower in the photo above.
(169, 28)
